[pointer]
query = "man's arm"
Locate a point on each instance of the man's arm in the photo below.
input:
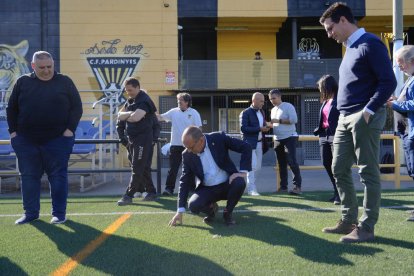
(136, 116)
(245, 126)
(242, 147)
(186, 179)
(76, 110)
(380, 65)
(12, 109)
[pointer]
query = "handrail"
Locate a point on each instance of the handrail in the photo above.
(101, 170)
(396, 176)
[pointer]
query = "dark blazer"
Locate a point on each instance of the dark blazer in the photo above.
(219, 144)
(250, 127)
(333, 116)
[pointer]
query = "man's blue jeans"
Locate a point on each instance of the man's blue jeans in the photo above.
(36, 159)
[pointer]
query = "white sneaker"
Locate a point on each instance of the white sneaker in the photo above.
(253, 193)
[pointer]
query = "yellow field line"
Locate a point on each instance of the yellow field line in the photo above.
(76, 259)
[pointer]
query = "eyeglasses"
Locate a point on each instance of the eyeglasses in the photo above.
(330, 28)
(399, 66)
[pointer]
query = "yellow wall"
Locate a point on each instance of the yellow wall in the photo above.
(252, 8)
(134, 22)
(384, 7)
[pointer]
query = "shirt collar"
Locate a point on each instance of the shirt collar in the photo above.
(354, 37)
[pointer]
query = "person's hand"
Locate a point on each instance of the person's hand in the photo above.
(13, 134)
(366, 116)
(389, 103)
(124, 141)
(264, 129)
(234, 175)
(178, 217)
(269, 124)
(68, 133)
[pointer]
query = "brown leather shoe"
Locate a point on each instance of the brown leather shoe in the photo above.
(359, 234)
(340, 228)
(210, 217)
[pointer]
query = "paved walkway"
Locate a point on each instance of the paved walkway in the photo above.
(316, 180)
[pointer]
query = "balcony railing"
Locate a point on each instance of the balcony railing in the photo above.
(237, 74)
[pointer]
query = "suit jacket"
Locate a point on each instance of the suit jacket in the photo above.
(219, 144)
(250, 127)
(333, 116)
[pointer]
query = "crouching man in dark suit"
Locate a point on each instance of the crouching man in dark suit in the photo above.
(207, 158)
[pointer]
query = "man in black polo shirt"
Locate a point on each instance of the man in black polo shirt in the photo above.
(137, 113)
(43, 112)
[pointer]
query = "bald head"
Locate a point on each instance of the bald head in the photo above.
(193, 139)
(257, 100)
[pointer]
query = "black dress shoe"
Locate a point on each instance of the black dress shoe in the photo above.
(228, 218)
(210, 217)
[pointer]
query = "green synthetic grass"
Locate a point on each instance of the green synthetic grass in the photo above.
(275, 234)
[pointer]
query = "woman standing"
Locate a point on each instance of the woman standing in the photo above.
(328, 121)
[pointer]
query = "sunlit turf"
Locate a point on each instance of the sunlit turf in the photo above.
(275, 234)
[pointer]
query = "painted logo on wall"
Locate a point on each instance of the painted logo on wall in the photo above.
(12, 66)
(112, 63)
(308, 48)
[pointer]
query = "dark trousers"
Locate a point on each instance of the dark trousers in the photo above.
(408, 146)
(175, 162)
(36, 159)
(205, 195)
(148, 183)
(139, 151)
(286, 154)
(326, 148)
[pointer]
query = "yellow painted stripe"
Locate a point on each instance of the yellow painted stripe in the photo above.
(76, 259)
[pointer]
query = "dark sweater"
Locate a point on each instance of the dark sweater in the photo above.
(43, 110)
(365, 76)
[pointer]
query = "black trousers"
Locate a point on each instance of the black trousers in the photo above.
(175, 162)
(139, 153)
(205, 195)
(326, 149)
(286, 154)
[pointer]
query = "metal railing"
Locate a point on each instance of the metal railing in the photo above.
(244, 74)
(396, 177)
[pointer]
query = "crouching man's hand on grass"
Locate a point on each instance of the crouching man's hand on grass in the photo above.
(178, 217)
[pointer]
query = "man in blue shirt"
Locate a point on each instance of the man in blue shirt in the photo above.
(366, 81)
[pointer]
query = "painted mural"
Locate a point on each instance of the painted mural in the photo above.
(12, 65)
(111, 63)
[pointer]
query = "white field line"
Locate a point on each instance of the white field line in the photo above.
(271, 210)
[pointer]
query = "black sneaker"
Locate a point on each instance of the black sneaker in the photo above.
(210, 217)
(228, 218)
(282, 190)
(150, 197)
(168, 192)
(125, 200)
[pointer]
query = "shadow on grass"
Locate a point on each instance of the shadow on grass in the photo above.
(266, 203)
(126, 256)
(7, 267)
(274, 232)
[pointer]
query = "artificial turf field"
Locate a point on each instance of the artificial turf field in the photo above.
(274, 235)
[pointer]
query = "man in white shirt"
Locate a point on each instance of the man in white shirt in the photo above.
(180, 117)
(284, 117)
